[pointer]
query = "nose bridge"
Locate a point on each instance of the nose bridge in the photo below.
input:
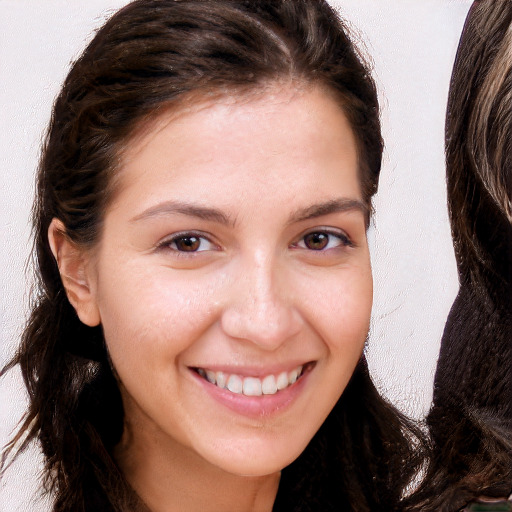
(260, 308)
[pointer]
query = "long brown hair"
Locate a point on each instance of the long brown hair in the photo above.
(471, 417)
(151, 56)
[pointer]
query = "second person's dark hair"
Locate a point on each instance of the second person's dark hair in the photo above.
(471, 417)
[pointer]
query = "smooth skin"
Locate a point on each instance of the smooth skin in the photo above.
(236, 240)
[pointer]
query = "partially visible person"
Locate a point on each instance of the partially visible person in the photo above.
(471, 417)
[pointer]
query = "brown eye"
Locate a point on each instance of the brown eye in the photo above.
(316, 241)
(324, 240)
(187, 243)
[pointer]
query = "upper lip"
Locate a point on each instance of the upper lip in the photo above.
(251, 370)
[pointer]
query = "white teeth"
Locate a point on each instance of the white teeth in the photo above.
(268, 385)
(282, 381)
(293, 375)
(220, 378)
(235, 384)
(210, 376)
(252, 386)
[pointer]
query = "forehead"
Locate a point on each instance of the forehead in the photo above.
(255, 143)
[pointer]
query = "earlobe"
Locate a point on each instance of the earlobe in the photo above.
(72, 263)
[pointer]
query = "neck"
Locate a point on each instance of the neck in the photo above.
(170, 477)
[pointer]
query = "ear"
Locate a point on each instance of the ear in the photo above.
(72, 262)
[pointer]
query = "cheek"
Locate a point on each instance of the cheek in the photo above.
(152, 316)
(339, 306)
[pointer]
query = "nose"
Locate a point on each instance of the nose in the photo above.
(260, 308)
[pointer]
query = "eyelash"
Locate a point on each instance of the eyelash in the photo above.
(344, 241)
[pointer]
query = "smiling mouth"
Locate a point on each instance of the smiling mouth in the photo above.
(254, 386)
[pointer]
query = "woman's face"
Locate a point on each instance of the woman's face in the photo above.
(233, 278)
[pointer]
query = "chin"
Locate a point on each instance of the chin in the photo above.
(261, 461)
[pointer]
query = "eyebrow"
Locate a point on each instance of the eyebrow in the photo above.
(341, 204)
(215, 215)
(181, 208)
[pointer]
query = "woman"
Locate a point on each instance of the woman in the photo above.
(200, 227)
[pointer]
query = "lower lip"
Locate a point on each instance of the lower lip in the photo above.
(255, 406)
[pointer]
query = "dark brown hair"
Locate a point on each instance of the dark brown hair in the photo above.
(471, 417)
(151, 56)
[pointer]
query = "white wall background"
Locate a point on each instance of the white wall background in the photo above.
(413, 45)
